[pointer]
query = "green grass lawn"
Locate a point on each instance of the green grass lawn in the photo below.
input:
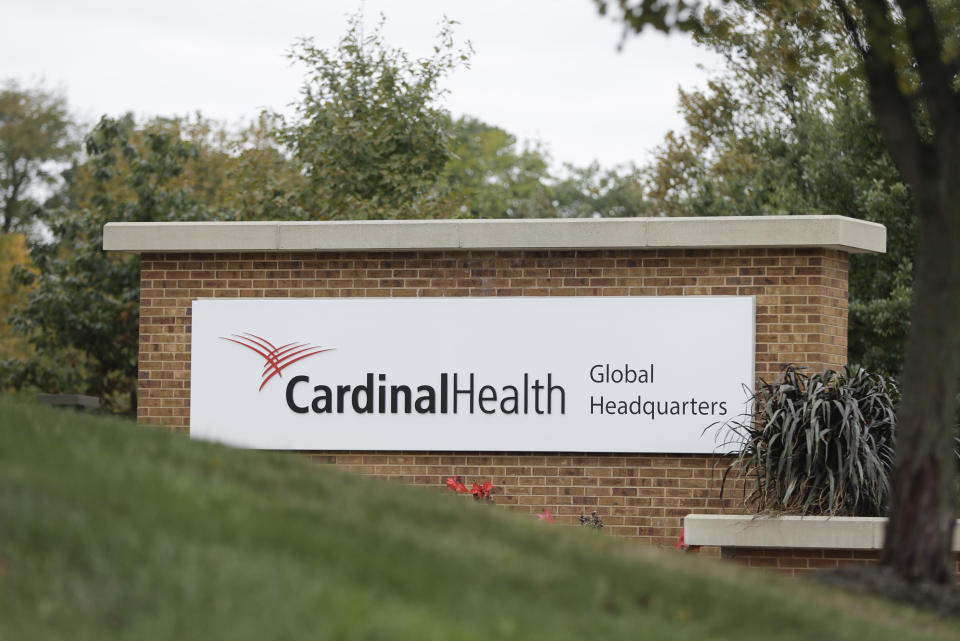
(113, 531)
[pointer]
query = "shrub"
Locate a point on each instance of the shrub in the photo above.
(817, 443)
(593, 521)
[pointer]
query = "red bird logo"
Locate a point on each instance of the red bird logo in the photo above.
(277, 358)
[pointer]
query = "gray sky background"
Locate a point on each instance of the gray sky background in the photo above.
(545, 70)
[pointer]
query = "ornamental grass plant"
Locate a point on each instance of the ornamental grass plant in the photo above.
(816, 443)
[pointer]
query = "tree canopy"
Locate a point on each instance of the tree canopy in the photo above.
(371, 137)
(82, 309)
(907, 55)
(786, 128)
(36, 133)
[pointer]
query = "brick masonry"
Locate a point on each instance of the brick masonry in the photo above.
(801, 317)
(797, 561)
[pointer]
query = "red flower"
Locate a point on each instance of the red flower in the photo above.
(546, 516)
(482, 491)
(456, 484)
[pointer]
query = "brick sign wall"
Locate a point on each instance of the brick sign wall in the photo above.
(798, 561)
(801, 297)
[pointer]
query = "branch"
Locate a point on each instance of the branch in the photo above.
(935, 76)
(851, 26)
(891, 108)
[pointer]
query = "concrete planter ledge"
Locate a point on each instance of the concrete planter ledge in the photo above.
(722, 232)
(824, 532)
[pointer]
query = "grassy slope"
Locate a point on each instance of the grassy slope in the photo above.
(108, 530)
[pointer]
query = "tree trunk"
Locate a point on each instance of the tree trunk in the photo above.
(919, 533)
(8, 214)
(10, 203)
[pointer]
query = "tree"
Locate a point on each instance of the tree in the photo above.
(243, 173)
(13, 251)
(594, 192)
(908, 53)
(368, 130)
(77, 307)
(374, 142)
(490, 175)
(786, 128)
(82, 308)
(35, 135)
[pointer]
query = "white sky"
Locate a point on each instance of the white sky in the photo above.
(542, 69)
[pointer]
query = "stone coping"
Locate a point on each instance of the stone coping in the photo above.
(825, 532)
(834, 232)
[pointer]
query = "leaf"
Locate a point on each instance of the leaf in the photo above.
(817, 443)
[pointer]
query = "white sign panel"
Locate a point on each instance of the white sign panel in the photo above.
(476, 374)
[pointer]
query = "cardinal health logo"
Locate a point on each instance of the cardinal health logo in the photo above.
(276, 358)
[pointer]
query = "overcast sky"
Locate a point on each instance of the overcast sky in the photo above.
(542, 69)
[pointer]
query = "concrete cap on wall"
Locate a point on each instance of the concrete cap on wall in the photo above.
(758, 531)
(833, 232)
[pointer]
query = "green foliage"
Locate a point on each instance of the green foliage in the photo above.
(658, 14)
(369, 141)
(118, 531)
(374, 143)
(35, 135)
(786, 128)
(593, 192)
(13, 252)
(244, 173)
(490, 176)
(881, 285)
(368, 130)
(817, 443)
(82, 309)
